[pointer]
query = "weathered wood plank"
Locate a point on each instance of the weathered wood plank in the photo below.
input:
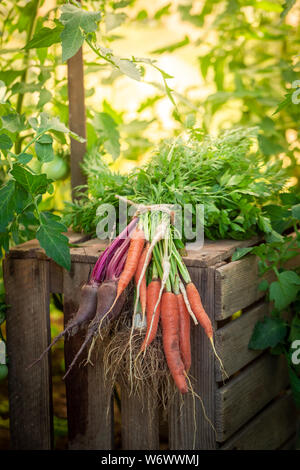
(269, 430)
(237, 285)
(139, 426)
(28, 333)
(290, 444)
(214, 252)
(56, 277)
(245, 395)
(232, 340)
(77, 117)
(90, 426)
(32, 248)
(211, 253)
(182, 433)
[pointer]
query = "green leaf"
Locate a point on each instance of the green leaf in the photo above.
(13, 122)
(240, 253)
(127, 67)
(264, 224)
(52, 240)
(48, 123)
(268, 333)
(24, 158)
(43, 148)
(7, 204)
(109, 131)
(268, 146)
(34, 184)
(75, 20)
(285, 290)
(5, 142)
(45, 37)
(45, 97)
(113, 20)
(162, 11)
(296, 211)
(295, 329)
(263, 285)
(172, 47)
(22, 88)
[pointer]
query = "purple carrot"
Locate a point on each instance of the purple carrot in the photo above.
(98, 272)
(85, 313)
(119, 254)
(106, 295)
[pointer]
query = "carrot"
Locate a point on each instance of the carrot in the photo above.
(106, 295)
(143, 287)
(85, 313)
(170, 334)
(135, 250)
(184, 332)
(152, 317)
(204, 320)
(197, 307)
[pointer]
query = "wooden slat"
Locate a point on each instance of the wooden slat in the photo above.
(245, 395)
(181, 414)
(210, 254)
(87, 398)
(269, 430)
(28, 334)
(237, 285)
(232, 340)
(290, 444)
(32, 248)
(139, 426)
(214, 252)
(77, 118)
(56, 277)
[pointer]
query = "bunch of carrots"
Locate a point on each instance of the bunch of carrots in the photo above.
(146, 252)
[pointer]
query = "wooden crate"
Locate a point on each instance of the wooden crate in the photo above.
(252, 410)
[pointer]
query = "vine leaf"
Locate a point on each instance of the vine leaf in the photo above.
(268, 333)
(75, 21)
(43, 148)
(241, 252)
(110, 134)
(285, 289)
(45, 37)
(34, 184)
(50, 236)
(5, 142)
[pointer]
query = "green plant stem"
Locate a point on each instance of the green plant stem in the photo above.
(29, 35)
(39, 134)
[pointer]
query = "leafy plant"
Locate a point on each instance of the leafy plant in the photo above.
(281, 328)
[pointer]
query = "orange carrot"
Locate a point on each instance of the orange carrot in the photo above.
(170, 334)
(143, 288)
(184, 332)
(197, 307)
(152, 317)
(135, 250)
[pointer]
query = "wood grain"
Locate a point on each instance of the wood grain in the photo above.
(232, 340)
(247, 393)
(88, 403)
(28, 334)
(269, 430)
(237, 285)
(139, 425)
(183, 434)
(77, 117)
